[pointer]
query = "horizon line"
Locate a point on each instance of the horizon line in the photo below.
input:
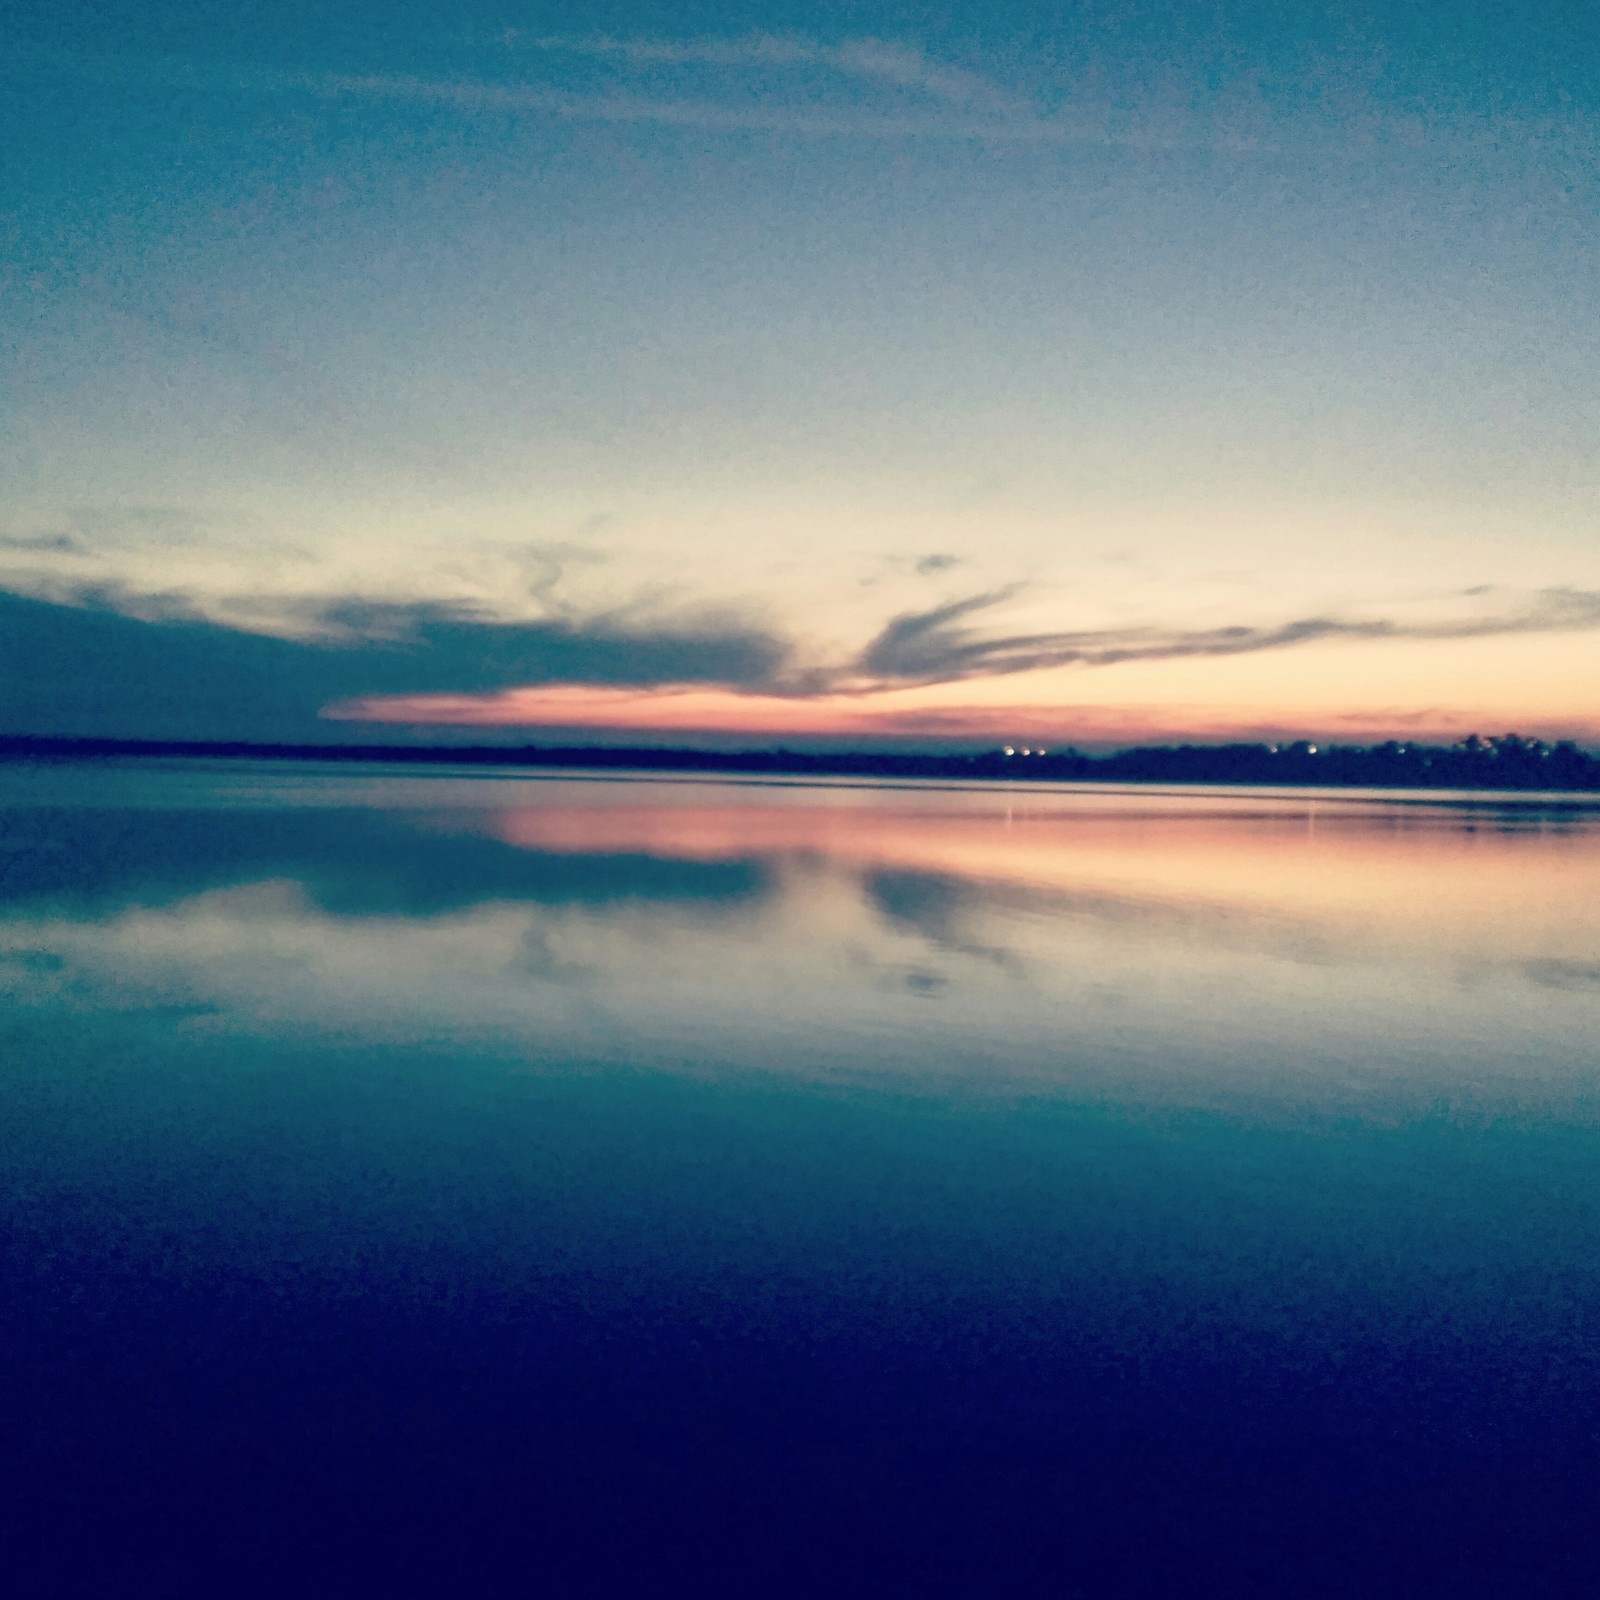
(1507, 762)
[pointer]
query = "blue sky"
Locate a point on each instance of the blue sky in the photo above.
(1120, 331)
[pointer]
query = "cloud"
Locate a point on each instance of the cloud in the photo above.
(818, 120)
(961, 104)
(905, 66)
(939, 646)
(39, 559)
(90, 669)
(63, 544)
(967, 105)
(928, 565)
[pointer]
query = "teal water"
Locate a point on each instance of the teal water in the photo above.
(423, 1182)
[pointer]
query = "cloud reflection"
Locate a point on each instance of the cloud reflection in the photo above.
(1188, 943)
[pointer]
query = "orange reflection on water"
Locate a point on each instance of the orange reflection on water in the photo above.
(1521, 882)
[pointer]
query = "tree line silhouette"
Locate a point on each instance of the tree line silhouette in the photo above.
(1507, 762)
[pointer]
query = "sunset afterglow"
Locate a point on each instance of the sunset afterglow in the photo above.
(768, 376)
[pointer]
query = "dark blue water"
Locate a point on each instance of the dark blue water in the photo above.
(476, 1186)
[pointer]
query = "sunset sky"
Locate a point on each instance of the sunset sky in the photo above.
(1097, 372)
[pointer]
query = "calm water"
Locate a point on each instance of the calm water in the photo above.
(476, 1185)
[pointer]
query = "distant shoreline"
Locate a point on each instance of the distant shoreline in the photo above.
(1509, 763)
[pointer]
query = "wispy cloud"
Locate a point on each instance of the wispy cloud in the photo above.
(818, 119)
(899, 64)
(39, 544)
(941, 646)
(919, 96)
(964, 105)
(891, 688)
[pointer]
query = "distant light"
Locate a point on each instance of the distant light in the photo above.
(1026, 751)
(1010, 751)
(1311, 749)
(1040, 751)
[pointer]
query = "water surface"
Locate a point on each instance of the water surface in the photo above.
(426, 1182)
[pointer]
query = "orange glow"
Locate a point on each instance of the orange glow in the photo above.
(928, 712)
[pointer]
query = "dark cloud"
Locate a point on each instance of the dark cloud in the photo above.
(112, 665)
(1557, 974)
(931, 564)
(938, 646)
(91, 670)
(64, 544)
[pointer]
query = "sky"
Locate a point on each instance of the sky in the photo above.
(1097, 373)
